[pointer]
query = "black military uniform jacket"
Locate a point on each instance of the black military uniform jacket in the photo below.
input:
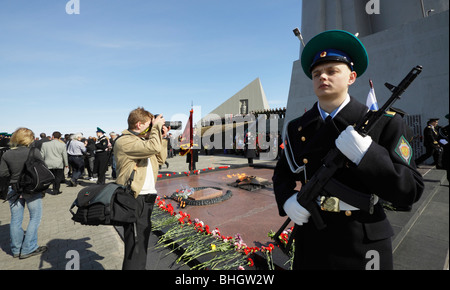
(431, 137)
(387, 170)
(101, 145)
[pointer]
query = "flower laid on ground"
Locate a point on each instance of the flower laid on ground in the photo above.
(195, 239)
(184, 192)
(250, 262)
(283, 239)
(269, 258)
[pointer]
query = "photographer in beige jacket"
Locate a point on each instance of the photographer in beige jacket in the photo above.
(142, 148)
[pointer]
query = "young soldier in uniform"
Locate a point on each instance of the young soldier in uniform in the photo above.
(379, 165)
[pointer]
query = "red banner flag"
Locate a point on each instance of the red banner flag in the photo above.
(187, 139)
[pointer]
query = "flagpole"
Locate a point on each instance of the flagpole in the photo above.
(192, 136)
(371, 101)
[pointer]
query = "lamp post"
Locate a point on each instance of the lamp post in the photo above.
(299, 35)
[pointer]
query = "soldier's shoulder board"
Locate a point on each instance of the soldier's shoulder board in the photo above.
(390, 114)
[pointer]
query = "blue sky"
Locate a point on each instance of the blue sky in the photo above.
(72, 73)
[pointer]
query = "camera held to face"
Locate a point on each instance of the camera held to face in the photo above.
(174, 125)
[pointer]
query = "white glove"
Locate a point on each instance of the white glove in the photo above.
(297, 213)
(353, 145)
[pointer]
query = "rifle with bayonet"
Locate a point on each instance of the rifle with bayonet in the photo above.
(334, 160)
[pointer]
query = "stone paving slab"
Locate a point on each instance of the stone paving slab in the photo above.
(424, 242)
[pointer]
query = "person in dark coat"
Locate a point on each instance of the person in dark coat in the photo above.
(444, 132)
(194, 159)
(101, 156)
(431, 143)
(250, 148)
(89, 158)
(358, 234)
(44, 139)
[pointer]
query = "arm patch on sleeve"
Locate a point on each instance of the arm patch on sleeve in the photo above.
(404, 150)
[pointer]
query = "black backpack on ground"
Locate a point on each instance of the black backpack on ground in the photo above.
(35, 176)
(105, 204)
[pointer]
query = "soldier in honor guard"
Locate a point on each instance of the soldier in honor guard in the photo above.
(431, 143)
(250, 148)
(380, 165)
(192, 160)
(101, 156)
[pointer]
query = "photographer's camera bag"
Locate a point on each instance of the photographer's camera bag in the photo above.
(105, 204)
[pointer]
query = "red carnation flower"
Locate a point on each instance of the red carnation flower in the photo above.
(250, 262)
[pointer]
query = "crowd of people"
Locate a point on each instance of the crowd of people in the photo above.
(74, 153)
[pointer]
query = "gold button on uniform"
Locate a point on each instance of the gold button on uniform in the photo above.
(348, 212)
(300, 128)
(305, 161)
(303, 138)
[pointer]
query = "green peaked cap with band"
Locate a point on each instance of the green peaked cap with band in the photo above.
(335, 45)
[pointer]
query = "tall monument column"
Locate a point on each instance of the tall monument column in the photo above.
(352, 16)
